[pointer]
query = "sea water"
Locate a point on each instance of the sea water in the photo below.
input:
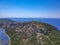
(4, 39)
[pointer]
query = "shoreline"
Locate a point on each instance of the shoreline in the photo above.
(7, 36)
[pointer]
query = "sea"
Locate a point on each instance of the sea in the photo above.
(4, 39)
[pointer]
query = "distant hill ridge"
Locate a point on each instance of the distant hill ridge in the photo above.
(3, 20)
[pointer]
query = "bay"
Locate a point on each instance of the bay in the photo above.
(4, 39)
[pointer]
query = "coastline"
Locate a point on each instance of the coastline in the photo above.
(7, 36)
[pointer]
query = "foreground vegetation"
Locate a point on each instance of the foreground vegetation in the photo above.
(32, 33)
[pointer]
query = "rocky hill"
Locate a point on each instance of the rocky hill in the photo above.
(32, 33)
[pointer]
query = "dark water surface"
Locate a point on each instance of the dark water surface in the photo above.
(4, 39)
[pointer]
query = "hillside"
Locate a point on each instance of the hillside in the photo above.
(5, 20)
(32, 33)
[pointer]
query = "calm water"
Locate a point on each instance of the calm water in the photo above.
(4, 39)
(53, 21)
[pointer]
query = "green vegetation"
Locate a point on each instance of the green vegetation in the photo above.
(32, 33)
(2, 20)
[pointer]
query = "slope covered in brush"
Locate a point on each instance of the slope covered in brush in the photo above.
(33, 33)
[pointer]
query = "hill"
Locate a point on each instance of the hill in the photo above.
(32, 33)
(5, 20)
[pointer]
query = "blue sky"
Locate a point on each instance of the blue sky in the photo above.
(30, 8)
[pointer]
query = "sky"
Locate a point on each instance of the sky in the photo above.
(30, 8)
